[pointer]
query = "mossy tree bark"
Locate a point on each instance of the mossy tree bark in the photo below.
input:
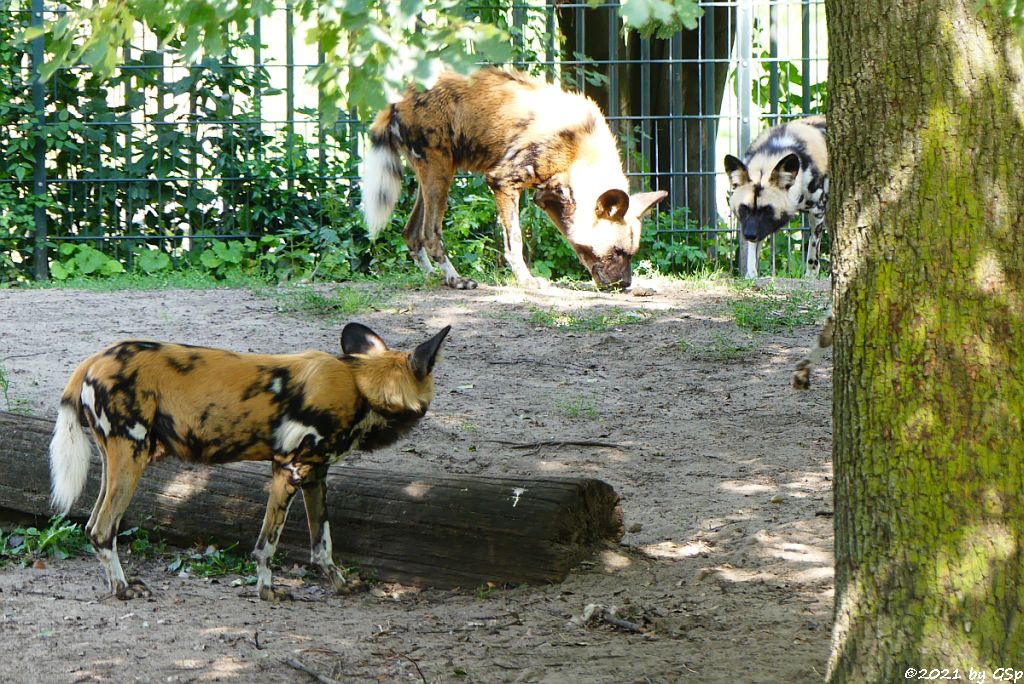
(926, 137)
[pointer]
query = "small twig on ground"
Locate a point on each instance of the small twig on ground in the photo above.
(606, 616)
(292, 662)
(555, 443)
(413, 661)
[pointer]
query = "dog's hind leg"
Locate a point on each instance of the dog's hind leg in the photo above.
(413, 235)
(124, 462)
(314, 496)
(435, 173)
(282, 490)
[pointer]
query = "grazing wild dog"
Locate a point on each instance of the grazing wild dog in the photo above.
(783, 172)
(520, 133)
(146, 400)
(802, 375)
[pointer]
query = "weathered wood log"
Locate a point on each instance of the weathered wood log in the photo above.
(432, 530)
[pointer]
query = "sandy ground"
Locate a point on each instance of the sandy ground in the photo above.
(724, 473)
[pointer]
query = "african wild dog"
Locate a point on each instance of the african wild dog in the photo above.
(802, 375)
(146, 400)
(783, 172)
(520, 133)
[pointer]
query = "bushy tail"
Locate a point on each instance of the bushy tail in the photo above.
(70, 449)
(382, 174)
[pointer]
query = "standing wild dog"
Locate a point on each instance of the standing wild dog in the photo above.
(520, 133)
(783, 172)
(146, 400)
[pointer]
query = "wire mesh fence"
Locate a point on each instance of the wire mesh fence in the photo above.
(166, 159)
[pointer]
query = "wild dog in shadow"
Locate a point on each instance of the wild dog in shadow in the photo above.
(520, 133)
(145, 400)
(782, 173)
(802, 374)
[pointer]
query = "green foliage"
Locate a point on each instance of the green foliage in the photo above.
(59, 539)
(662, 18)
(80, 259)
(213, 561)
(770, 311)
(372, 48)
(138, 542)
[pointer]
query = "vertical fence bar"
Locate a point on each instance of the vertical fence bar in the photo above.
(805, 53)
(289, 93)
(709, 115)
(773, 55)
(549, 47)
(518, 33)
(39, 255)
(613, 66)
(677, 124)
(744, 53)
(647, 127)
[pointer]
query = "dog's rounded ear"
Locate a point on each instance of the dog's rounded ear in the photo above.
(356, 338)
(612, 204)
(424, 356)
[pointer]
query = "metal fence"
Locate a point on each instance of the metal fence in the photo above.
(169, 157)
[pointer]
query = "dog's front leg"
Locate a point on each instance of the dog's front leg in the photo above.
(281, 492)
(314, 496)
(507, 202)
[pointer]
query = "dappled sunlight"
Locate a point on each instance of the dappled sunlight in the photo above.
(975, 62)
(967, 570)
(555, 466)
(227, 666)
(417, 489)
(614, 561)
(670, 550)
(989, 275)
(185, 483)
(745, 488)
(797, 553)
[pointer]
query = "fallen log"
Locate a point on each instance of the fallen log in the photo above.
(427, 529)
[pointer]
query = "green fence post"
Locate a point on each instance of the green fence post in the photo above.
(42, 269)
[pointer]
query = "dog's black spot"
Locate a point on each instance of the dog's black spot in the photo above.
(188, 365)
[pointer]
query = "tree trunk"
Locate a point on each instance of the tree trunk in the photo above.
(926, 145)
(431, 529)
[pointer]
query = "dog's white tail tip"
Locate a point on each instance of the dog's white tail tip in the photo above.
(70, 451)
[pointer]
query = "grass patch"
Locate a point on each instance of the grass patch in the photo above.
(771, 311)
(13, 403)
(590, 321)
(337, 303)
(720, 348)
(59, 539)
(577, 407)
(184, 279)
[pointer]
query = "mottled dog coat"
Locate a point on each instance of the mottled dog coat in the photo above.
(520, 133)
(145, 400)
(782, 173)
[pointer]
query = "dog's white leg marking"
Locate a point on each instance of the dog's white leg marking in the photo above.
(116, 579)
(423, 261)
(751, 258)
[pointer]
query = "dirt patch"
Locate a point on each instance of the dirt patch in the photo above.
(724, 473)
